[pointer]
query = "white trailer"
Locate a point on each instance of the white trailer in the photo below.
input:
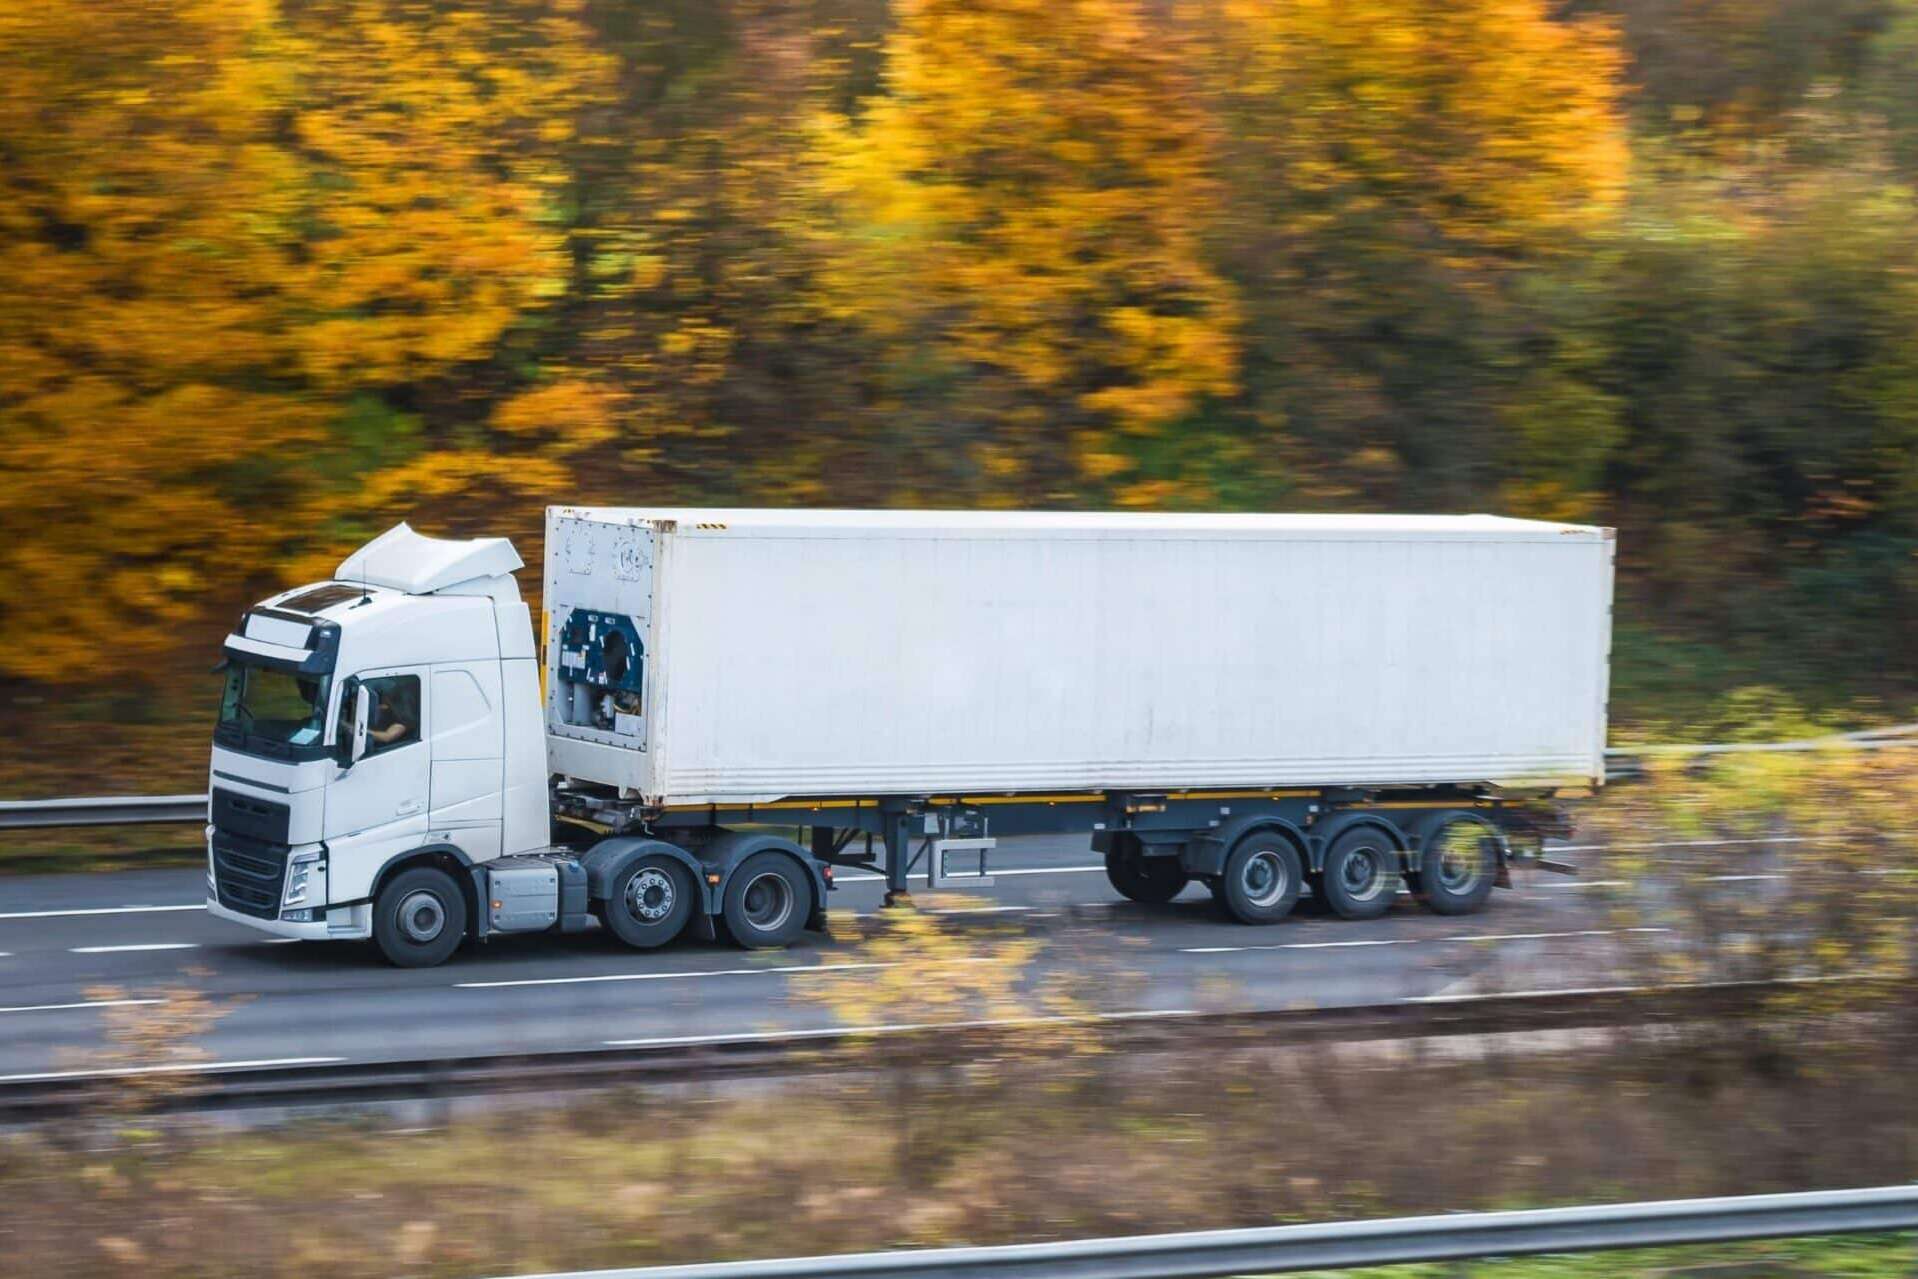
(1265, 703)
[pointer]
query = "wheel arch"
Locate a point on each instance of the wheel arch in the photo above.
(447, 857)
(1205, 854)
(724, 856)
(609, 858)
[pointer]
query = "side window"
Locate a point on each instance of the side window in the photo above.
(396, 712)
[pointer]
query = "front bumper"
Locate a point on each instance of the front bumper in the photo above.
(345, 924)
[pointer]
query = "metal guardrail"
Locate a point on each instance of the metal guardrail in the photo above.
(144, 810)
(125, 810)
(1337, 1245)
(135, 810)
(236, 1089)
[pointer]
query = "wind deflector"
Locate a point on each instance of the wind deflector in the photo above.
(418, 565)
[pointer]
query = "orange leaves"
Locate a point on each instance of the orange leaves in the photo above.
(219, 222)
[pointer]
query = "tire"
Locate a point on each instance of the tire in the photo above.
(1361, 875)
(1456, 872)
(419, 918)
(1152, 880)
(1261, 880)
(768, 901)
(649, 903)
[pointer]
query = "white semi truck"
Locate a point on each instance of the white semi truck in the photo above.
(1267, 704)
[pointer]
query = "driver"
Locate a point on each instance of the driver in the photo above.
(390, 721)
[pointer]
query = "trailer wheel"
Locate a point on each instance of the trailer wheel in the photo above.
(1457, 868)
(419, 918)
(1261, 880)
(1153, 880)
(767, 901)
(1361, 873)
(649, 902)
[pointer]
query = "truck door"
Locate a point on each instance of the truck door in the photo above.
(378, 807)
(466, 743)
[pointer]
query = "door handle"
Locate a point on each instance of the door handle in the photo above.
(410, 807)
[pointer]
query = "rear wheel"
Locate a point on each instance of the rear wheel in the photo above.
(768, 901)
(1143, 879)
(649, 903)
(419, 918)
(1457, 868)
(1261, 879)
(1361, 873)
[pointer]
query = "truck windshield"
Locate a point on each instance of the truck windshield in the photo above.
(268, 709)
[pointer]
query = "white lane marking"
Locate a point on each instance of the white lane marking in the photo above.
(1413, 941)
(984, 910)
(894, 1028)
(115, 950)
(189, 1067)
(777, 970)
(6, 954)
(1588, 883)
(90, 1003)
(98, 910)
(1295, 946)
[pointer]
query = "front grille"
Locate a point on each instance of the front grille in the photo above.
(248, 875)
(250, 817)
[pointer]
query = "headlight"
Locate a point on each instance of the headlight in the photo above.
(302, 870)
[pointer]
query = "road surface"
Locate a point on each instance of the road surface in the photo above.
(72, 944)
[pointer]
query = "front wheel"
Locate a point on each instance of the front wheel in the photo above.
(768, 901)
(419, 918)
(1261, 880)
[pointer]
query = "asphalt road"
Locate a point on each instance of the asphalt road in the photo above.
(71, 944)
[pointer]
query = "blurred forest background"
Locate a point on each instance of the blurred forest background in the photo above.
(276, 273)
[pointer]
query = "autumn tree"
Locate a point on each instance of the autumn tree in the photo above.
(1395, 170)
(239, 243)
(1022, 214)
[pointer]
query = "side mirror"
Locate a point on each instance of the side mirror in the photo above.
(362, 715)
(356, 708)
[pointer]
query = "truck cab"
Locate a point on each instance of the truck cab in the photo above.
(384, 719)
(380, 772)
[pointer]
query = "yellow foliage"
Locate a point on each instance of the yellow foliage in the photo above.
(221, 220)
(917, 968)
(1495, 123)
(1028, 201)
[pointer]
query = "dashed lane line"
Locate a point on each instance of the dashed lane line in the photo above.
(116, 950)
(1413, 941)
(87, 1003)
(770, 970)
(96, 910)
